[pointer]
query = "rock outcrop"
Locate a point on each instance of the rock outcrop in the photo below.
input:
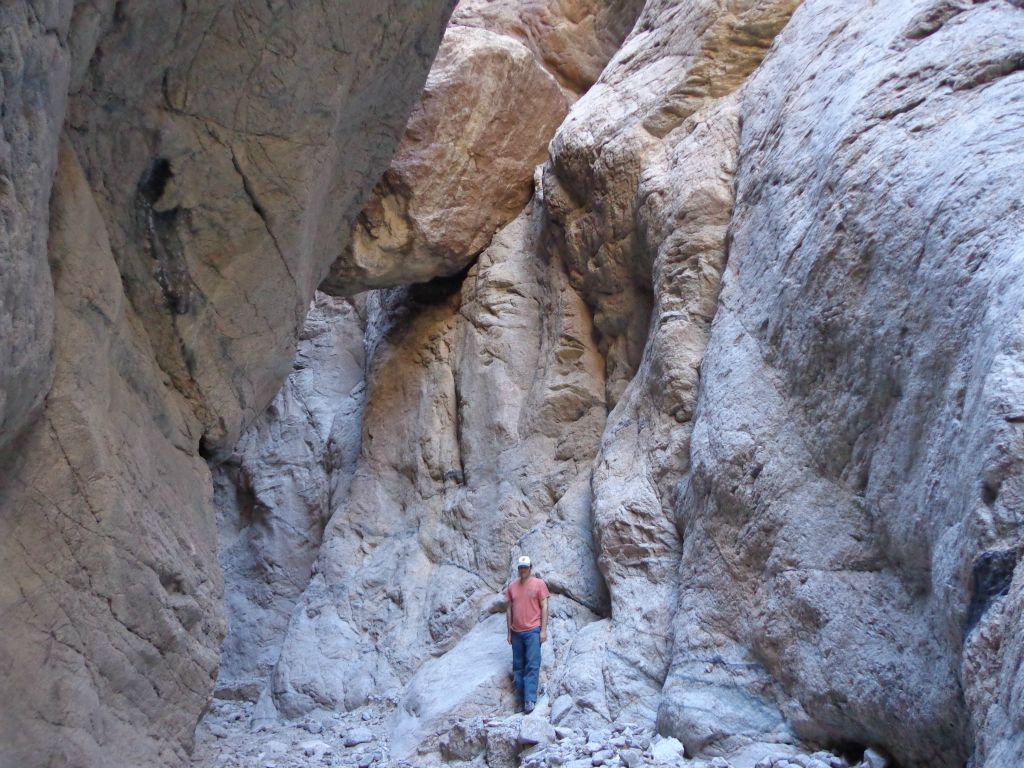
(275, 492)
(214, 158)
(500, 435)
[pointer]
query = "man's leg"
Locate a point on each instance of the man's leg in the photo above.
(518, 664)
(531, 675)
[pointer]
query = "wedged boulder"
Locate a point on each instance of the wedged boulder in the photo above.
(464, 168)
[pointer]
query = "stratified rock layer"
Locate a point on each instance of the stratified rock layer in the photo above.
(215, 156)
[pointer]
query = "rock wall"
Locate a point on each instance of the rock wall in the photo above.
(850, 522)
(214, 158)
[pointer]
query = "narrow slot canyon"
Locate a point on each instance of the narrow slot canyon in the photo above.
(316, 318)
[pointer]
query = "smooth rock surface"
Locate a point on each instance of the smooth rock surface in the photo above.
(275, 493)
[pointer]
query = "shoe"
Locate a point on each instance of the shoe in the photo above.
(528, 707)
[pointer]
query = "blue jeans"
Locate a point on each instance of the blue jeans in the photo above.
(526, 663)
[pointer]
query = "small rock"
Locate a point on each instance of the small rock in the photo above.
(831, 760)
(560, 707)
(218, 730)
(535, 730)
(358, 736)
(667, 750)
(631, 757)
(593, 746)
(564, 733)
(720, 762)
(313, 726)
(873, 759)
(275, 747)
(463, 742)
(315, 748)
(367, 715)
(502, 748)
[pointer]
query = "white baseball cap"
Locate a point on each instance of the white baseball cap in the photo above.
(524, 562)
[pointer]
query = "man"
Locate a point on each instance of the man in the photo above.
(527, 617)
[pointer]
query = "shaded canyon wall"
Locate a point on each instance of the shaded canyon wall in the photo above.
(176, 180)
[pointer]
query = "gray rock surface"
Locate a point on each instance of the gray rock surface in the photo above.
(507, 396)
(214, 157)
(34, 71)
(275, 493)
(855, 449)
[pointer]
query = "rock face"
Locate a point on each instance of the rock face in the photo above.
(214, 156)
(34, 67)
(275, 493)
(850, 522)
(500, 436)
(479, 441)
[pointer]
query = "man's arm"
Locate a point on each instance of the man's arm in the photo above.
(543, 620)
(508, 621)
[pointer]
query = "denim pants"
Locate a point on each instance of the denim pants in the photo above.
(526, 663)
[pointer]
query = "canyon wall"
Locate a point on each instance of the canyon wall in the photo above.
(710, 306)
(177, 178)
(740, 377)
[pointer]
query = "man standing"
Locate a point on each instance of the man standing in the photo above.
(527, 617)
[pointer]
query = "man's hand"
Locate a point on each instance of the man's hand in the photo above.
(510, 637)
(543, 634)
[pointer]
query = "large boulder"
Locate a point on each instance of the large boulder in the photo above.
(464, 168)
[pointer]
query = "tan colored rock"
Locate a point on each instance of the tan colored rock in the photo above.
(684, 204)
(464, 168)
(110, 591)
(573, 39)
(677, 57)
(637, 208)
(229, 148)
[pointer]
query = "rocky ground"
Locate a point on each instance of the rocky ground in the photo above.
(234, 734)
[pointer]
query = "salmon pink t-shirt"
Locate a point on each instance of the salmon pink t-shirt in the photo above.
(526, 599)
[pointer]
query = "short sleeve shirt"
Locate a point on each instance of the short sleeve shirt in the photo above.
(526, 601)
